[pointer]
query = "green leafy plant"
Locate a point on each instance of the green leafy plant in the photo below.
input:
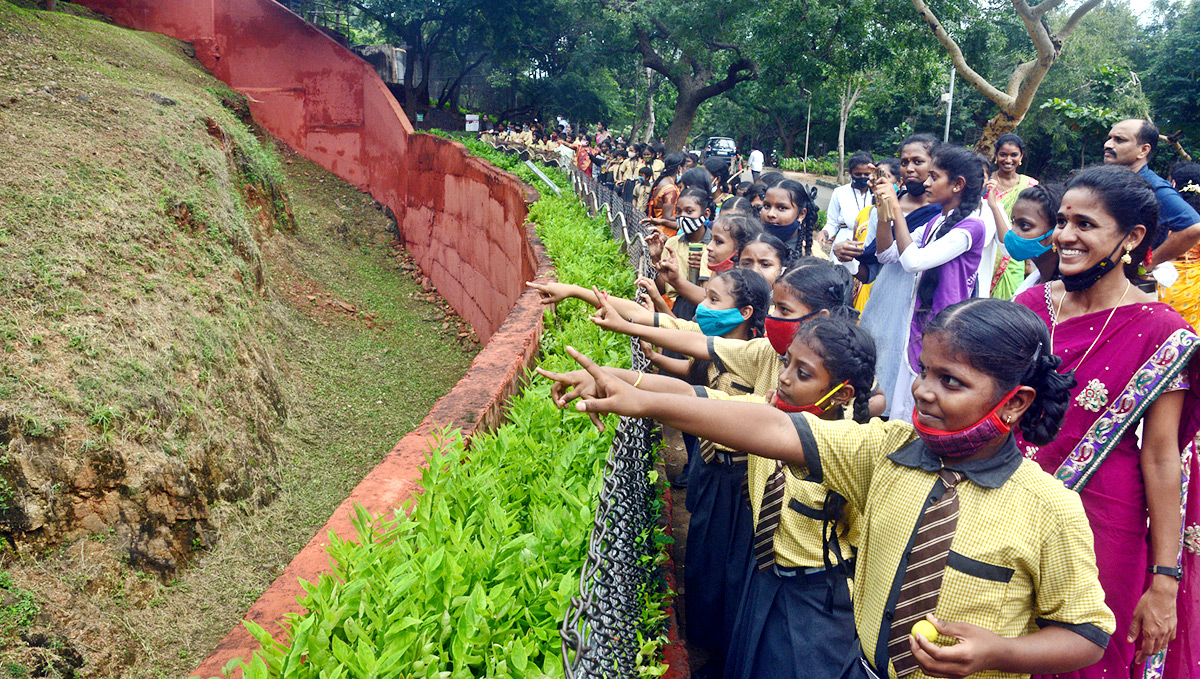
(474, 577)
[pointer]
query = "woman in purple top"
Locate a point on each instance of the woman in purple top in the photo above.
(944, 254)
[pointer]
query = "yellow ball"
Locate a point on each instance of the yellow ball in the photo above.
(924, 628)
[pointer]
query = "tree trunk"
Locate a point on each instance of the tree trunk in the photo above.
(51, 5)
(789, 145)
(651, 87)
(1002, 123)
(686, 106)
(847, 104)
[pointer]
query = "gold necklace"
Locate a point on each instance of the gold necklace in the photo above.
(1058, 311)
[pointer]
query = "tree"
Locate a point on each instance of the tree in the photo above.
(1014, 101)
(1173, 80)
(697, 47)
(847, 97)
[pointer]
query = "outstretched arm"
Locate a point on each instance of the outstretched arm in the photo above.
(686, 342)
(751, 427)
(556, 292)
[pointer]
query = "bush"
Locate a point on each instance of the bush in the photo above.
(824, 165)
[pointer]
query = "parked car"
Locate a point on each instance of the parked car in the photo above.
(718, 147)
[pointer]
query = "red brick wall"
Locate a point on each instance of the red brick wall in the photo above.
(460, 218)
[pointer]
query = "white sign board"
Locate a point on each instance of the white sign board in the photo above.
(472, 123)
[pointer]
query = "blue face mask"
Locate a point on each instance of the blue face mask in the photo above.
(1022, 249)
(717, 323)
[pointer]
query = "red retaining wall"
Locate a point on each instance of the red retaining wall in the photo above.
(460, 217)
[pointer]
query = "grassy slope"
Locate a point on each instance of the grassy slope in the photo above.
(84, 227)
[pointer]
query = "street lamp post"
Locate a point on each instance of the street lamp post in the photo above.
(807, 123)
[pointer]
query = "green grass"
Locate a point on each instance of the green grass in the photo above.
(133, 330)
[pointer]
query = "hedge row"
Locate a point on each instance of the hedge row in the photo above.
(475, 582)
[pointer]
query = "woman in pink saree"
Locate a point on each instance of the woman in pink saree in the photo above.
(1128, 442)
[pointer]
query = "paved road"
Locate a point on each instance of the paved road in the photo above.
(824, 192)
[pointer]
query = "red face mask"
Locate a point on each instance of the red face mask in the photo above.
(781, 331)
(720, 267)
(967, 440)
(814, 409)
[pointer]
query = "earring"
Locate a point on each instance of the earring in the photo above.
(1125, 258)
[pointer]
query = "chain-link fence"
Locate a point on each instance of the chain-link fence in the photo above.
(606, 624)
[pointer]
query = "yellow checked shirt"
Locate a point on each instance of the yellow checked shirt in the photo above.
(798, 540)
(748, 357)
(1022, 554)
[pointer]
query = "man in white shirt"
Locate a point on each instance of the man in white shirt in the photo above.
(846, 202)
(756, 163)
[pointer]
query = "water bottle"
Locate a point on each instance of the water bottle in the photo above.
(694, 271)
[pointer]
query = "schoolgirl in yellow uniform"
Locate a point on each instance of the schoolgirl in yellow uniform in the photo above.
(961, 531)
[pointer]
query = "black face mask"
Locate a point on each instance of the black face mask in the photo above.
(915, 188)
(859, 183)
(1086, 279)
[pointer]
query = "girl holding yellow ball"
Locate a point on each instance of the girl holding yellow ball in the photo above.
(947, 501)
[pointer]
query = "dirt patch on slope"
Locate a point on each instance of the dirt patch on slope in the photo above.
(176, 415)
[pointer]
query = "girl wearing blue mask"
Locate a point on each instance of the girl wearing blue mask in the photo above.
(720, 529)
(1034, 216)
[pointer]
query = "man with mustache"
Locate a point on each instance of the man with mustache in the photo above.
(1131, 143)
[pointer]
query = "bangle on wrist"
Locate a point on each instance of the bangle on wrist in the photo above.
(1173, 571)
(639, 379)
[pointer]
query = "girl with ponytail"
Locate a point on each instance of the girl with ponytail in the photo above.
(944, 255)
(973, 561)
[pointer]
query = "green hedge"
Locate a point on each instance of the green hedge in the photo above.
(826, 165)
(476, 581)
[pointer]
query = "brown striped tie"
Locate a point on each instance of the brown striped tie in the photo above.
(923, 575)
(768, 519)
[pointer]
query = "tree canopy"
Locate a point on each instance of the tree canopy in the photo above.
(870, 71)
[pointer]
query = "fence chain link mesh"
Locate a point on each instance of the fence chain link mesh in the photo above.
(605, 625)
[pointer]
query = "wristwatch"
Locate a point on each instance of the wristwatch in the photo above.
(1173, 571)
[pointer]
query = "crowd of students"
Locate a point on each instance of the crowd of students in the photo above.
(948, 434)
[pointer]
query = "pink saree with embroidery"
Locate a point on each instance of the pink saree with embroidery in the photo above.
(1146, 350)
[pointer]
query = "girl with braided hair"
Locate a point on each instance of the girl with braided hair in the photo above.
(944, 254)
(973, 561)
(789, 214)
(804, 535)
